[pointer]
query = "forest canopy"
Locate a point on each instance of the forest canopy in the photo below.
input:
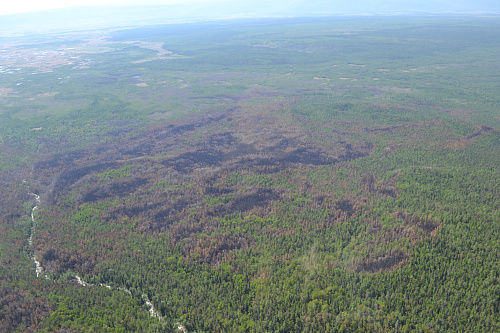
(330, 174)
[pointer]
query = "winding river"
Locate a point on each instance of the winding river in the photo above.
(38, 267)
(40, 271)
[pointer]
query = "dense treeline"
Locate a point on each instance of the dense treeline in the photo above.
(304, 257)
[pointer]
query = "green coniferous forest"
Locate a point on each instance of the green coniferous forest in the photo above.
(335, 174)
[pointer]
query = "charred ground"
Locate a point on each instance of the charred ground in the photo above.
(182, 178)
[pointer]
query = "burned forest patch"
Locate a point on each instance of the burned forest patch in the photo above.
(390, 261)
(259, 198)
(166, 178)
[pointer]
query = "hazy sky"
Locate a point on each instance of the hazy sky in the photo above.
(21, 6)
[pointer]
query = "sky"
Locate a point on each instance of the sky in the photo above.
(22, 6)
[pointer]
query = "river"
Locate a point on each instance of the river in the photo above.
(40, 271)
